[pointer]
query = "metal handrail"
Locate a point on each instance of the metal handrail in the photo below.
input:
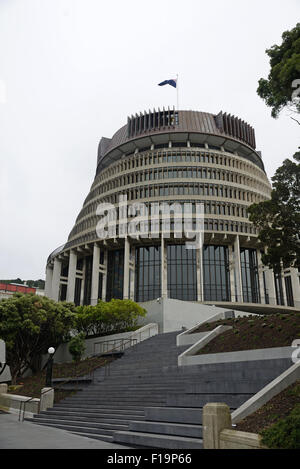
(120, 347)
(106, 365)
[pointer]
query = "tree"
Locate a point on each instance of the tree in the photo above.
(77, 346)
(278, 219)
(282, 88)
(30, 324)
(108, 317)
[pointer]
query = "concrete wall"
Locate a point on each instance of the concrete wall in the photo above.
(172, 315)
(103, 344)
(5, 376)
(218, 432)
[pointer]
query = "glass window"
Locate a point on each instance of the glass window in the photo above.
(182, 273)
(147, 273)
(250, 280)
(216, 278)
(115, 274)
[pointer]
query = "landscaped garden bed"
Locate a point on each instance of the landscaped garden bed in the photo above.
(253, 332)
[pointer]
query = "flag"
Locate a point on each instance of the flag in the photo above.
(172, 82)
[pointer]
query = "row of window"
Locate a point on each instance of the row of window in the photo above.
(146, 192)
(148, 209)
(186, 156)
(158, 174)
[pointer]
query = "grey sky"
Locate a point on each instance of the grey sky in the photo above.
(71, 71)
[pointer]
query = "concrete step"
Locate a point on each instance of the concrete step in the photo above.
(97, 408)
(152, 440)
(199, 400)
(121, 420)
(77, 428)
(106, 428)
(91, 413)
(187, 415)
(167, 428)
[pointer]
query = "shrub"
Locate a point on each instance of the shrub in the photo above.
(110, 317)
(77, 346)
(284, 434)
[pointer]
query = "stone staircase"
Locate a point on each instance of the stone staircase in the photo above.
(148, 401)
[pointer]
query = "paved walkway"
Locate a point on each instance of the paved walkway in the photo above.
(27, 435)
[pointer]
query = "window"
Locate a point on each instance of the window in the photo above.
(216, 277)
(147, 273)
(182, 273)
(250, 280)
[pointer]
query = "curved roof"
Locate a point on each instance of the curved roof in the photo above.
(156, 123)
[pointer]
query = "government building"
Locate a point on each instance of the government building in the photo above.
(160, 159)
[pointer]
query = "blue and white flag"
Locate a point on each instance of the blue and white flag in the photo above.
(172, 82)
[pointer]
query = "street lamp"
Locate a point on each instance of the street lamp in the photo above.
(51, 351)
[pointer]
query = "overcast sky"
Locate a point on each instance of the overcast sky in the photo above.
(71, 71)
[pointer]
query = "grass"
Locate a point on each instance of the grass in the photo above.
(279, 407)
(258, 332)
(253, 332)
(31, 386)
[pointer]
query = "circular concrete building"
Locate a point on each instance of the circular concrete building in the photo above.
(155, 178)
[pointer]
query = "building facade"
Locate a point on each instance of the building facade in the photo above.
(153, 176)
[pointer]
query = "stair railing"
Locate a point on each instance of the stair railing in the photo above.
(106, 365)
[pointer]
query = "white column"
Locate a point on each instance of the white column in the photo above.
(48, 284)
(83, 281)
(260, 268)
(270, 286)
(164, 276)
(56, 279)
(132, 273)
(238, 271)
(295, 279)
(126, 268)
(231, 272)
(95, 275)
(104, 277)
(200, 279)
(71, 276)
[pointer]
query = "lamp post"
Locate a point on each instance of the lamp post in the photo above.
(51, 351)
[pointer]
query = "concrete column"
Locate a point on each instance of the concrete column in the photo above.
(95, 275)
(83, 282)
(56, 279)
(104, 278)
(48, 284)
(260, 269)
(295, 279)
(71, 276)
(215, 418)
(270, 286)
(231, 272)
(237, 269)
(47, 399)
(126, 269)
(283, 288)
(164, 276)
(132, 273)
(200, 279)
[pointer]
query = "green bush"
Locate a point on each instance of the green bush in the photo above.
(77, 346)
(285, 434)
(110, 317)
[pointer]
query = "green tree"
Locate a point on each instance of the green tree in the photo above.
(280, 89)
(108, 317)
(77, 346)
(278, 219)
(29, 325)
